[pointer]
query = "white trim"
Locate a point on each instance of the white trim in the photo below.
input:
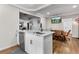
(43, 6)
(24, 11)
(1, 49)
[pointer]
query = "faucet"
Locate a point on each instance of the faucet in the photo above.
(41, 27)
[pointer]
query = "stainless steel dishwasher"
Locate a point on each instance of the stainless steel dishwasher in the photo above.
(21, 40)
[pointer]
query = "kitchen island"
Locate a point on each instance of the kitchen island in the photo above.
(38, 42)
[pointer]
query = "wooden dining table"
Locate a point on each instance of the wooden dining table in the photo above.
(59, 35)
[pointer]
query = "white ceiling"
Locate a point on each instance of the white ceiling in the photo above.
(50, 10)
(59, 10)
(31, 7)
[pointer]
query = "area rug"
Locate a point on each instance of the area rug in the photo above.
(18, 51)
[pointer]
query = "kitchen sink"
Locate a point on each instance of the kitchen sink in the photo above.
(39, 33)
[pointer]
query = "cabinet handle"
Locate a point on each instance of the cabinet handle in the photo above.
(30, 41)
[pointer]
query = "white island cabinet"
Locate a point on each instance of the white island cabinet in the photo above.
(38, 44)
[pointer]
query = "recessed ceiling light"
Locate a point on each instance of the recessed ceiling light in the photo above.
(74, 6)
(48, 13)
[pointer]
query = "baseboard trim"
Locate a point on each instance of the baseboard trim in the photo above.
(8, 50)
(13, 45)
(75, 37)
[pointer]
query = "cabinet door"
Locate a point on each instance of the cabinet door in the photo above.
(37, 45)
(30, 44)
(27, 43)
(33, 44)
(48, 44)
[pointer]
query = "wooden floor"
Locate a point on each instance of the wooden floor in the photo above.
(69, 47)
(9, 50)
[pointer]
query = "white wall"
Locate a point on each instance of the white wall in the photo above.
(8, 25)
(44, 23)
(75, 30)
(67, 23)
(51, 26)
(36, 25)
